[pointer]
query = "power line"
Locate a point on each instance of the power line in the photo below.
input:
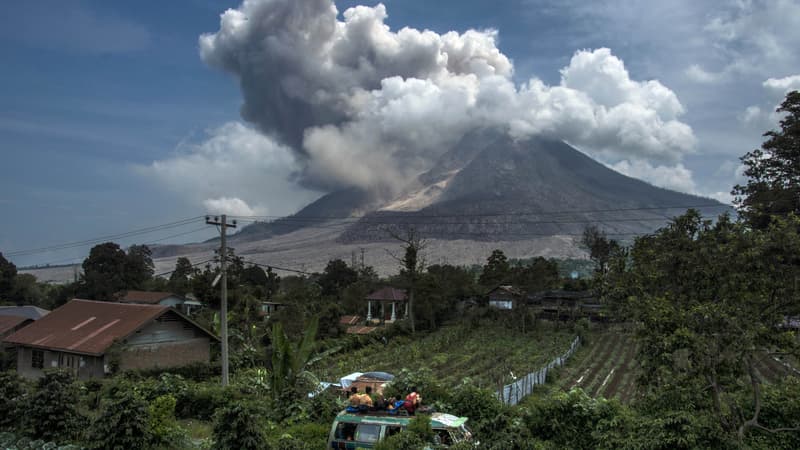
(277, 268)
(191, 265)
(110, 237)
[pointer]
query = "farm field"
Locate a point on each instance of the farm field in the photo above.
(606, 367)
(487, 354)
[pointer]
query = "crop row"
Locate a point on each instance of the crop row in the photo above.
(489, 355)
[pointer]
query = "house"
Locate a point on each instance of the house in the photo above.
(8, 326)
(270, 308)
(564, 305)
(184, 304)
(504, 297)
(27, 311)
(387, 296)
(91, 338)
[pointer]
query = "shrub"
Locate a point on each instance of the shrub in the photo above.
(164, 429)
(238, 427)
(52, 412)
(199, 371)
(12, 395)
(420, 425)
(124, 422)
(201, 401)
(401, 441)
(480, 405)
(302, 436)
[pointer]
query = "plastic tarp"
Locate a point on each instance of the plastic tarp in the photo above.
(347, 380)
(384, 376)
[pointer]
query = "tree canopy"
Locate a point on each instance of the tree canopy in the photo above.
(773, 171)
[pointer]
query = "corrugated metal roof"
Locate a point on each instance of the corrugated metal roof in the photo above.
(8, 323)
(144, 297)
(86, 326)
(29, 311)
(388, 294)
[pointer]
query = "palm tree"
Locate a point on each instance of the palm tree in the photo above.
(290, 360)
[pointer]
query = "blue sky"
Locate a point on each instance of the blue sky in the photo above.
(104, 105)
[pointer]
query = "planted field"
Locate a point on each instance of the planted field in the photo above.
(606, 367)
(488, 354)
(603, 368)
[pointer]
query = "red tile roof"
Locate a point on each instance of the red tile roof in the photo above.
(87, 326)
(144, 297)
(8, 323)
(388, 294)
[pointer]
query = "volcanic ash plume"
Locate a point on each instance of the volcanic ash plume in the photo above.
(362, 105)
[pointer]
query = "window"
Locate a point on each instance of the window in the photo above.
(37, 359)
(345, 431)
(368, 432)
(392, 430)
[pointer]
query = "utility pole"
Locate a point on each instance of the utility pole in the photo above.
(223, 224)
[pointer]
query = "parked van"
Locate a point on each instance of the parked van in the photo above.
(357, 430)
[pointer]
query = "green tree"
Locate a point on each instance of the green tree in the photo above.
(773, 171)
(412, 264)
(601, 249)
(180, 279)
(103, 272)
(496, 271)
(707, 297)
(336, 277)
(537, 275)
(27, 291)
(52, 412)
(138, 266)
(8, 271)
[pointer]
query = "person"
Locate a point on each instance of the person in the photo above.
(365, 401)
(413, 400)
(354, 399)
(376, 399)
(396, 405)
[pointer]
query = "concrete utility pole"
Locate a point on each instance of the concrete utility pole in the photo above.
(221, 221)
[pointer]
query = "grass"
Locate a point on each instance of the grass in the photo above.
(197, 429)
(487, 354)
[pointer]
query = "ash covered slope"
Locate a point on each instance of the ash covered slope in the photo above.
(491, 187)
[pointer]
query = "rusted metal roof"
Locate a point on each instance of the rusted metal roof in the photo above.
(9, 323)
(360, 330)
(89, 327)
(388, 294)
(350, 320)
(143, 297)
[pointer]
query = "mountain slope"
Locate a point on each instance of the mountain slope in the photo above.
(514, 190)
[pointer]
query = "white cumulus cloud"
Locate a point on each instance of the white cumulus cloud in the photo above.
(230, 206)
(235, 168)
(677, 177)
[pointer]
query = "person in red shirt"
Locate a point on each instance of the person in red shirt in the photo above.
(413, 400)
